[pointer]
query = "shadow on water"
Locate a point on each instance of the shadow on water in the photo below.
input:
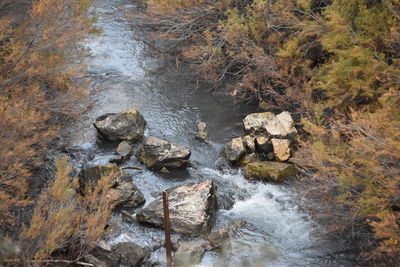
(124, 75)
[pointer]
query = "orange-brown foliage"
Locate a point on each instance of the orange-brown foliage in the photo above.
(38, 46)
(63, 219)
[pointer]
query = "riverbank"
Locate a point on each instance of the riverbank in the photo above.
(336, 72)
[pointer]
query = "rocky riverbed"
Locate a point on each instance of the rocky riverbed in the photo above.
(158, 130)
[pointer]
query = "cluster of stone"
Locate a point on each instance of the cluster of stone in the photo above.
(265, 150)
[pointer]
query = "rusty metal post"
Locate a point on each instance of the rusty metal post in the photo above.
(167, 228)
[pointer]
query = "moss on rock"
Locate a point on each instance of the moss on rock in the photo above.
(131, 113)
(269, 171)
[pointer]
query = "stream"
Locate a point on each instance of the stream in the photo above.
(125, 73)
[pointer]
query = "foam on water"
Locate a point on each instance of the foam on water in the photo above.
(277, 231)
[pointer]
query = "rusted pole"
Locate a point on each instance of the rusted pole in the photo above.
(167, 229)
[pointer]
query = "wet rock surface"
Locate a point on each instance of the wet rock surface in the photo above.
(156, 154)
(126, 125)
(192, 209)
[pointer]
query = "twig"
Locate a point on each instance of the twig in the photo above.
(132, 168)
(51, 261)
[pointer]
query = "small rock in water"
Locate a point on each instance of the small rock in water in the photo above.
(281, 148)
(192, 209)
(202, 133)
(157, 153)
(269, 171)
(189, 253)
(220, 237)
(235, 150)
(124, 149)
(126, 125)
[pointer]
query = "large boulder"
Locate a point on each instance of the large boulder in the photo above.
(269, 171)
(235, 150)
(192, 209)
(122, 193)
(125, 253)
(157, 153)
(126, 125)
(281, 126)
(89, 177)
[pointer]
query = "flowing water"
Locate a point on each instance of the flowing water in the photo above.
(126, 74)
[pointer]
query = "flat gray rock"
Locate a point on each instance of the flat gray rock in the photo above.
(192, 209)
(126, 125)
(156, 154)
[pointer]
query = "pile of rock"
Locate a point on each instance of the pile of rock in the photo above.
(266, 147)
(157, 154)
(192, 206)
